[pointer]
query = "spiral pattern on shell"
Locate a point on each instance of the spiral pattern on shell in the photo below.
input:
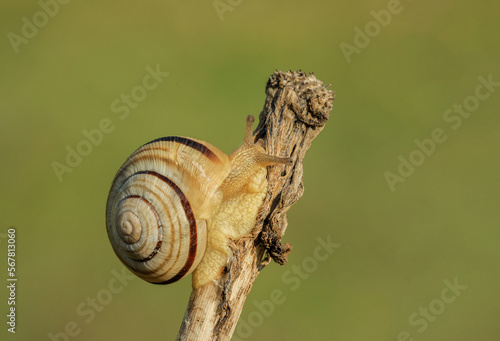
(159, 204)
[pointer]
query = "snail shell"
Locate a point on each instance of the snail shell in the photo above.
(177, 197)
(158, 206)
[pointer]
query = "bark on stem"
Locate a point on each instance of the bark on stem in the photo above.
(296, 110)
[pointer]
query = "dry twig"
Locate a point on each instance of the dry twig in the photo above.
(296, 110)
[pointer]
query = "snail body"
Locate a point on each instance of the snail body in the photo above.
(176, 202)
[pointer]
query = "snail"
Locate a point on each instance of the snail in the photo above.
(176, 202)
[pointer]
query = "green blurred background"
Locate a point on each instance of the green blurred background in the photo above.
(397, 248)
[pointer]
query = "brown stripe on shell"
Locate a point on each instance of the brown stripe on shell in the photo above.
(189, 143)
(143, 157)
(192, 226)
